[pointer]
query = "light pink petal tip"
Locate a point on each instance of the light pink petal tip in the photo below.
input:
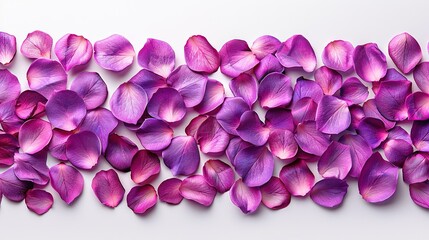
(46, 76)
(275, 90)
(274, 194)
(338, 55)
(255, 165)
(7, 48)
(195, 188)
(128, 102)
(246, 198)
(67, 181)
(73, 50)
(38, 44)
(246, 87)
(140, 199)
(297, 178)
(34, 135)
(200, 55)
(390, 99)
(333, 115)
(120, 152)
(329, 80)
(405, 52)
(154, 134)
(83, 149)
(370, 63)
(297, 52)
(252, 129)
(213, 97)
(39, 201)
(283, 144)
(336, 161)
(144, 167)
(265, 45)
(182, 156)
(91, 88)
(167, 104)
(236, 58)
(108, 188)
(218, 175)
(211, 137)
(329, 192)
(114, 53)
(307, 88)
(158, 57)
(168, 191)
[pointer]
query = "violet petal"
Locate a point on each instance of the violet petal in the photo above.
(46, 76)
(67, 181)
(329, 80)
(304, 110)
(169, 192)
(275, 90)
(265, 45)
(274, 194)
(420, 193)
(297, 52)
(144, 166)
(416, 168)
(218, 175)
(83, 149)
(34, 135)
(236, 58)
(13, 188)
(31, 168)
(390, 99)
(333, 115)
(373, 131)
(421, 76)
(307, 135)
(38, 44)
(108, 188)
(417, 105)
(255, 165)
(195, 188)
(73, 50)
(336, 161)
(114, 53)
(279, 118)
(297, 178)
(338, 55)
(370, 62)
(200, 55)
(283, 144)
(360, 152)
(158, 57)
(149, 81)
(128, 102)
(230, 113)
(39, 201)
(397, 150)
(420, 135)
(246, 87)
(7, 48)
(329, 192)
(65, 110)
(9, 86)
(268, 64)
(405, 52)
(182, 156)
(252, 130)
(213, 97)
(246, 198)
(91, 88)
(120, 152)
(154, 134)
(234, 147)
(30, 104)
(211, 137)
(353, 91)
(167, 104)
(307, 88)
(140, 199)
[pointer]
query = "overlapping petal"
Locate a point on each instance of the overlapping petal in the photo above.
(195, 188)
(182, 156)
(336, 161)
(120, 152)
(274, 194)
(244, 197)
(149, 81)
(267, 65)
(370, 62)
(333, 115)
(213, 97)
(144, 166)
(154, 134)
(234, 147)
(329, 80)
(370, 110)
(283, 144)
(236, 58)
(140, 199)
(421, 76)
(83, 149)
(128, 102)
(390, 99)
(65, 110)
(419, 192)
(211, 137)
(297, 178)
(420, 135)
(397, 150)
(329, 192)
(246, 87)
(13, 188)
(230, 113)
(91, 88)
(275, 90)
(304, 110)
(168, 191)
(373, 131)
(31, 168)
(307, 88)
(310, 140)
(39, 201)
(255, 165)
(252, 130)
(46, 76)
(360, 151)
(57, 146)
(218, 175)
(279, 118)
(353, 91)
(9, 86)
(297, 52)
(7, 48)
(30, 104)
(168, 105)
(264, 46)
(34, 135)
(416, 168)
(417, 105)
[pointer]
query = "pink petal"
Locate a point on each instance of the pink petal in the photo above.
(31, 168)
(9, 86)
(30, 104)
(391, 75)
(279, 118)
(421, 76)
(13, 188)
(405, 52)
(144, 166)
(120, 152)
(7, 48)
(420, 193)
(234, 147)
(252, 130)
(236, 58)
(195, 188)
(329, 192)
(128, 102)
(373, 131)
(158, 57)
(200, 55)
(275, 90)
(329, 80)
(268, 64)
(73, 50)
(8, 146)
(370, 110)
(297, 52)
(154, 134)
(230, 113)
(370, 63)
(307, 88)
(218, 175)
(397, 150)
(390, 99)
(416, 168)
(211, 137)
(114, 53)
(57, 147)
(182, 156)
(417, 105)
(67, 181)
(338, 55)
(336, 161)
(46, 77)
(265, 45)
(246, 198)
(420, 135)
(307, 135)
(274, 194)
(357, 113)
(333, 115)
(169, 192)
(246, 87)
(194, 124)
(168, 105)
(83, 149)
(149, 81)
(38, 44)
(360, 152)
(140, 199)
(304, 110)
(108, 188)
(255, 165)
(297, 178)
(353, 91)
(282, 144)
(39, 201)
(378, 179)
(34, 135)
(213, 97)
(91, 88)
(8, 119)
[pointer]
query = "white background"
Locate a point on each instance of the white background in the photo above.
(320, 21)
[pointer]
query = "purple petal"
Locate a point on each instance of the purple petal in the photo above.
(417, 104)
(329, 80)
(167, 104)
(149, 81)
(218, 175)
(34, 135)
(420, 193)
(154, 134)
(194, 124)
(46, 77)
(329, 192)
(391, 75)
(211, 137)
(158, 57)
(9, 86)
(13, 188)
(405, 52)
(399, 133)
(114, 53)
(297, 178)
(169, 192)
(65, 110)
(128, 102)
(213, 97)
(39, 201)
(307, 135)
(274, 194)
(38, 44)
(360, 152)
(268, 64)
(357, 113)
(195, 188)
(255, 165)
(67, 181)
(73, 50)
(182, 156)
(307, 88)
(283, 144)
(83, 149)
(236, 58)
(234, 147)
(338, 55)
(370, 110)
(230, 113)
(336, 161)
(279, 118)
(265, 45)
(57, 147)
(141, 198)
(200, 55)
(120, 152)
(373, 131)
(31, 168)
(421, 76)
(7, 48)
(333, 115)
(370, 62)
(252, 130)
(390, 99)
(8, 146)
(397, 150)
(304, 110)
(108, 188)
(144, 166)
(190, 85)
(353, 91)
(416, 168)
(246, 87)
(275, 90)
(246, 198)
(420, 135)
(378, 179)
(297, 52)
(8, 119)
(91, 88)
(30, 104)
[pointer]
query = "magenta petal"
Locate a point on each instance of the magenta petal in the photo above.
(91, 88)
(230, 113)
(397, 150)
(420, 193)
(158, 57)
(65, 110)
(307, 88)
(194, 124)
(353, 91)
(141, 198)
(370, 110)
(255, 165)
(297, 52)
(297, 178)
(46, 76)
(8, 146)
(420, 135)
(335, 162)
(246, 87)
(34, 135)
(246, 198)
(400, 133)
(7, 48)
(360, 152)
(13, 188)
(167, 104)
(338, 55)
(378, 179)
(31, 168)
(279, 118)
(236, 58)
(268, 64)
(218, 175)
(213, 97)
(372, 130)
(182, 156)
(114, 53)
(8, 119)
(333, 115)
(211, 137)
(234, 147)
(417, 104)
(57, 147)
(390, 99)
(265, 45)
(304, 110)
(421, 76)
(391, 75)
(200, 55)
(73, 50)
(154, 134)
(67, 181)
(416, 168)
(169, 192)
(275, 90)
(30, 104)
(357, 113)
(329, 192)
(196, 188)
(274, 194)
(83, 149)
(108, 188)
(405, 52)
(38, 44)
(128, 102)
(329, 80)
(370, 63)
(283, 144)
(39, 201)
(9, 86)
(120, 152)
(307, 135)
(149, 81)
(252, 130)
(144, 166)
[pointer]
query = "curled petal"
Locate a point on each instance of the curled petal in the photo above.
(279, 118)
(39, 201)
(420, 135)
(421, 76)
(234, 147)
(405, 52)
(418, 106)
(182, 156)
(195, 188)
(200, 55)
(211, 137)
(360, 151)
(38, 44)
(329, 192)
(246, 87)
(370, 110)
(169, 192)
(101, 122)
(297, 178)
(91, 88)
(268, 64)
(255, 165)
(141, 198)
(373, 131)
(83, 149)
(283, 144)
(246, 198)
(114, 53)
(168, 105)
(353, 91)
(67, 181)
(13, 188)
(194, 124)
(329, 80)
(34, 135)
(274, 194)
(252, 130)
(265, 45)
(108, 188)
(65, 110)
(297, 52)
(9, 86)
(31, 168)
(218, 175)
(304, 110)
(390, 99)
(213, 97)
(230, 113)
(158, 57)
(370, 62)
(419, 192)
(7, 48)
(307, 88)
(275, 91)
(57, 147)
(120, 152)
(333, 115)
(149, 81)
(336, 161)
(416, 168)
(144, 166)
(397, 150)
(236, 58)
(154, 134)
(338, 55)
(30, 104)
(128, 102)
(307, 135)
(46, 77)
(73, 50)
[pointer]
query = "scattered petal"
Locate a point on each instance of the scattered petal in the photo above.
(91, 88)
(329, 80)
(336, 161)
(265, 45)
(252, 130)
(329, 192)
(416, 168)
(101, 122)
(158, 57)
(67, 181)
(420, 135)
(128, 102)
(34, 135)
(194, 124)
(275, 90)
(373, 131)
(360, 152)
(357, 113)
(304, 110)
(353, 91)
(38, 44)
(255, 165)
(417, 104)
(390, 99)
(154, 134)
(307, 136)
(405, 52)
(83, 149)
(39, 201)
(195, 188)
(236, 58)
(200, 55)
(399, 133)
(9, 86)
(73, 50)
(234, 147)
(244, 197)
(141, 198)
(211, 137)
(120, 152)
(114, 53)
(370, 62)
(144, 166)
(333, 115)
(30, 104)
(370, 110)
(297, 178)
(31, 168)
(279, 118)
(213, 97)
(46, 77)
(246, 87)
(149, 81)
(13, 188)
(169, 192)
(420, 193)
(8, 146)
(268, 64)
(274, 194)
(218, 175)
(397, 150)
(297, 52)
(108, 188)
(168, 105)
(182, 156)
(421, 76)
(7, 48)
(57, 147)
(283, 144)
(307, 88)
(230, 113)
(338, 55)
